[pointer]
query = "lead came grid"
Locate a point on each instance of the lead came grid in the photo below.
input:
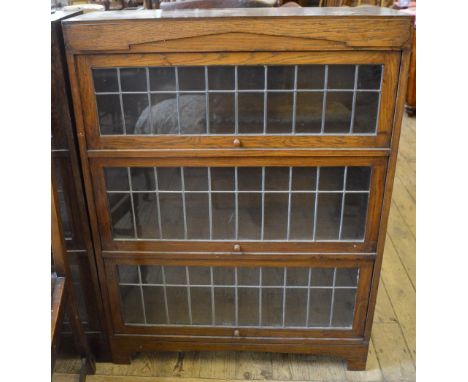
(244, 100)
(315, 204)
(238, 296)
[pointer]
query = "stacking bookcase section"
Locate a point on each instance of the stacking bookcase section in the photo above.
(243, 204)
(239, 298)
(289, 100)
(238, 166)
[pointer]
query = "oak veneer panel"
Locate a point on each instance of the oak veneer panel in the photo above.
(224, 30)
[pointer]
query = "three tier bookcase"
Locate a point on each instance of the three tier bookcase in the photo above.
(238, 167)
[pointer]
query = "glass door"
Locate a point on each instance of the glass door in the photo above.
(212, 298)
(180, 204)
(288, 100)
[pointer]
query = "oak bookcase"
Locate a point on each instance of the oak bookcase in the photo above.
(238, 167)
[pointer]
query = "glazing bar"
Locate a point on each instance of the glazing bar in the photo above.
(236, 205)
(141, 294)
(265, 101)
(189, 300)
(380, 98)
(289, 203)
(236, 294)
(294, 101)
(263, 204)
(246, 286)
(166, 308)
(285, 275)
(213, 320)
(121, 102)
(317, 180)
(236, 102)
(183, 201)
(308, 297)
(157, 201)
(177, 97)
(353, 108)
(343, 197)
(248, 192)
(260, 298)
(239, 91)
(207, 101)
(150, 114)
(333, 298)
(131, 202)
(324, 104)
(209, 204)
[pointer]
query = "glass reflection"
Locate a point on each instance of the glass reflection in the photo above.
(278, 99)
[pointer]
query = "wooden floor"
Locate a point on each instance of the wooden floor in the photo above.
(392, 352)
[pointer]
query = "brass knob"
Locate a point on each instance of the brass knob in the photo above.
(237, 247)
(236, 333)
(236, 142)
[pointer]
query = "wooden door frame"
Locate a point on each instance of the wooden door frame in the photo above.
(365, 265)
(369, 243)
(381, 139)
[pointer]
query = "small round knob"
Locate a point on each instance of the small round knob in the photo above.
(236, 142)
(236, 333)
(237, 247)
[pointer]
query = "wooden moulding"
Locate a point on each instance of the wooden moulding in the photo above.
(285, 29)
(354, 352)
